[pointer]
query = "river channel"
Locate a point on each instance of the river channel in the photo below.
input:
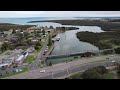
(69, 43)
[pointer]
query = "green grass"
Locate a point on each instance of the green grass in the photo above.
(115, 46)
(16, 73)
(29, 59)
(108, 76)
(101, 61)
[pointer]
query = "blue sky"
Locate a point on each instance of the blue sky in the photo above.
(14, 14)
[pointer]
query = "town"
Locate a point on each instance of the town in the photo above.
(23, 46)
(49, 48)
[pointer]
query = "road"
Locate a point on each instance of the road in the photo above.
(35, 64)
(66, 69)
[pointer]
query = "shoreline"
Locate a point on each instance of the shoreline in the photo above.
(105, 25)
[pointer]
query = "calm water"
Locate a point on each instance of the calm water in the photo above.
(69, 43)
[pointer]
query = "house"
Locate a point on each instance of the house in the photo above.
(22, 47)
(20, 58)
(18, 30)
(8, 32)
(28, 31)
(30, 49)
(6, 64)
(2, 35)
(34, 40)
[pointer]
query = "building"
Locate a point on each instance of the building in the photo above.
(8, 32)
(19, 59)
(30, 49)
(5, 64)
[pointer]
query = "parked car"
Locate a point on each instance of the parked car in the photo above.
(42, 71)
(113, 61)
(44, 53)
(20, 70)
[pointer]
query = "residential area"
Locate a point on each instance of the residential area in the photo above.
(60, 47)
(20, 48)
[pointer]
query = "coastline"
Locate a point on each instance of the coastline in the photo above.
(105, 25)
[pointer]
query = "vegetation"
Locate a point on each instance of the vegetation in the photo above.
(42, 62)
(66, 28)
(13, 32)
(104, 40)
(7, 46)
(49, 40)
(29, 59)
(43, 31)
(50, 64)
(37, 48)
(107, 52)
(117, 50)
(105, 25)
(7, 26)
(118, 71)
(51, 27)
(16, 73)
(99, 72)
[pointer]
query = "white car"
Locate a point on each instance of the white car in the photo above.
(112, 55)
(20, 70)
(42, 71)
(16, 70)
(113, 61)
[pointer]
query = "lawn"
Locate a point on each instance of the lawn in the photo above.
(29, 59)
(8, 75)
(108, 76)
(37, 51)
(101, 61)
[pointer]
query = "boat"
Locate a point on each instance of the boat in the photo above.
(58, 39)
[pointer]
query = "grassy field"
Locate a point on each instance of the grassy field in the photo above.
(16, 73)
(29, 59)
(101, 61)
(108, 76)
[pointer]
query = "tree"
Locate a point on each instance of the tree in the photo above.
(91, 74)
(49, 40)
(37, 48)
(42, 62)
(11, 47)
(50, 64)
(117, 50)
(51, 27)
(43, 31)
(13, 32)
(26, 35)
(20, 38)
(5, 46)
(118, 71)
(38, 44)
(101, 69)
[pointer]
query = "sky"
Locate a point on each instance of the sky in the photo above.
(15, 14)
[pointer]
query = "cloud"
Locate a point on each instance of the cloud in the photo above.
(58, 13)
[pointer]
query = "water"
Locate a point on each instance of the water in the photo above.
(25, 20)
(69, 43)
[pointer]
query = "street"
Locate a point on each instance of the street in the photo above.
(64, 69)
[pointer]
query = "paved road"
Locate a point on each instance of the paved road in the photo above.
(65, 69)
(35, 64)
